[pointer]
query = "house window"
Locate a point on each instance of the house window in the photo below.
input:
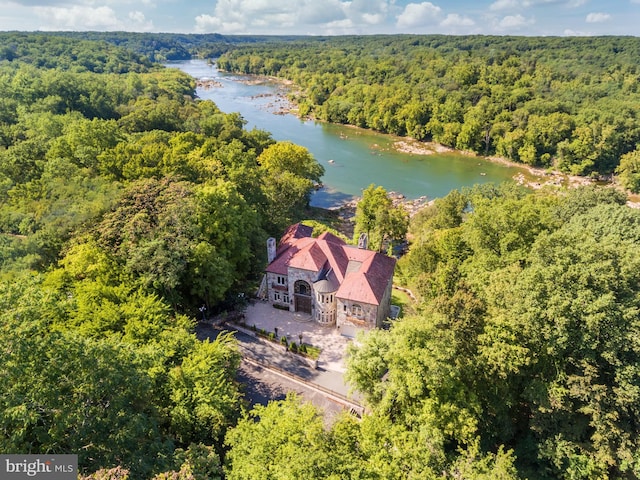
(325, 318)
(356, 311)
(276, 296)
(280, 280)
(285, 298)
(344, 306)
(302, 288)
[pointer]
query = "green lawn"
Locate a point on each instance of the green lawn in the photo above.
(402, 300)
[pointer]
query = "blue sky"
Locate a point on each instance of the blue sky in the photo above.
(328, 17)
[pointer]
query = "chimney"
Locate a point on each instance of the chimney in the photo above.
(363, 241)
(271, 249)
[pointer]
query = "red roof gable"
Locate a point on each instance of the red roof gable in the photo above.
(311, 257)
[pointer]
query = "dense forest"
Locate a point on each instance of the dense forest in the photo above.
(127, 204)
(525, 333)
(568, 103)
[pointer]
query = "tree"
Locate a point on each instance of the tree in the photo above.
(205, 399)
(228, 239)
(473, 465)
(424, 383)
(560, 336)
(629, 171)
(63, 392)
(289, 174)
(288, 157)
(379, 219)
(367, 365)
(285, 439)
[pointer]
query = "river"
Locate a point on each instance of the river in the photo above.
(353, 158)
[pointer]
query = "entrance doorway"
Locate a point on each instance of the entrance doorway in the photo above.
(302, 296)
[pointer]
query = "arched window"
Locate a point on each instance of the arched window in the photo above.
(302, 288)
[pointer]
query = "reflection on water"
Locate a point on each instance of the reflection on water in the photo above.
(353, 158)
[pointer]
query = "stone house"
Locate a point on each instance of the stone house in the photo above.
(337, 284)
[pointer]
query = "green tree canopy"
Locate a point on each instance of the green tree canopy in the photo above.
(379, 219)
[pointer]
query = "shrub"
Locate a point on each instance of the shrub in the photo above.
(311, 351)
(293, 346)
(283, 341)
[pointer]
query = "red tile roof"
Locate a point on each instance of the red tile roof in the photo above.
(363, 275)
(293, 233)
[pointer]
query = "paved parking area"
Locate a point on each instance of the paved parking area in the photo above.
(333, 345)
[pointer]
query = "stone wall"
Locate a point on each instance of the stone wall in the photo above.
(272, 279)
(385, 305)
(347, 316)
(296, 274)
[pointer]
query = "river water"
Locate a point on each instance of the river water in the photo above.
(353, 158)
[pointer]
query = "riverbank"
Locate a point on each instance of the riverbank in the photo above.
(207, 83)
(534, 178)
(537, 177)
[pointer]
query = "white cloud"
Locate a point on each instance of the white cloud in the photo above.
(209, 23)
(38, 3)
(418, 14)
(598, 17)
(514, 22)
(504, 5)
(321, 12)
(339, 27)
(254, 16)
(364, 12)
(566, 3)
(455, 20)
(78, 18)
(373, 19)
(139, 22)
(365, 6)
(533, 3)
(575, 33)
(137, 17)
(499, 5)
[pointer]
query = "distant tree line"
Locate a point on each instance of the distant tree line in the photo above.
(163, 47)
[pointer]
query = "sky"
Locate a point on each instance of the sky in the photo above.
(328, 17)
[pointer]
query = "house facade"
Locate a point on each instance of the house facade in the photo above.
(337, 284)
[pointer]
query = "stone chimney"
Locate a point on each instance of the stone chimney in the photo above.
(363, 241)
(271, 249)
